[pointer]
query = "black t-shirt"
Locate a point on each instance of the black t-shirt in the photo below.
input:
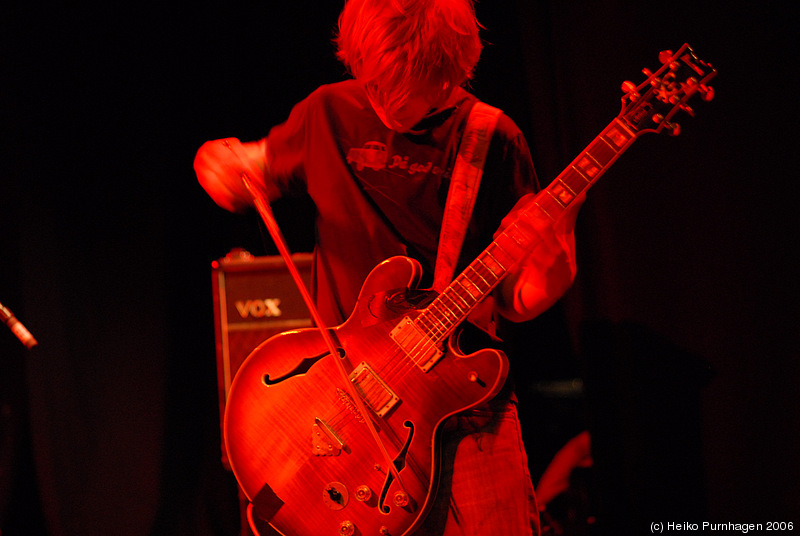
(379, 193)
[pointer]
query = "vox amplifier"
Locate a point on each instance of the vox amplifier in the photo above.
(254, 299)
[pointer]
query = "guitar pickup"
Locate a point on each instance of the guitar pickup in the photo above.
(416, 344)
(375, 393)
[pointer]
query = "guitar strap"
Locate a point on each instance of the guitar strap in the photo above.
(464, 184)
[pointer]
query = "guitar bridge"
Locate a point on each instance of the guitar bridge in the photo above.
(375, 393)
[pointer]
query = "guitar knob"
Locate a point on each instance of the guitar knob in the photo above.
(363, 493)
(347, 528)
(665, 56)
(401, 499)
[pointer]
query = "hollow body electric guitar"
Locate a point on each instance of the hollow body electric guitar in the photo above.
(346, 443)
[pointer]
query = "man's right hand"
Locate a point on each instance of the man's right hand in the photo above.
(220, 164)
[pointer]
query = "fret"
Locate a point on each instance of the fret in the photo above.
(497, 262)
(572, 179)
(448, 295)
(466, 284)
(496, 250)
(560, 196)
(546, 213)
(554, 207)
(563, 183)
(445, 312)
(490, 266)
(619, 134)
(462, 298)
(588, 167)
(610, 154)
(485, 275)
(441, 328)
(508, 245)
(463, 286)
(581, 174)
(512, 241)
(603, 151)
(435, 331)
(488, 285)
(428, 326)
(592, 160)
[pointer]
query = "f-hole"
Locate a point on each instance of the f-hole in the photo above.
(399, 464)
(301, 368)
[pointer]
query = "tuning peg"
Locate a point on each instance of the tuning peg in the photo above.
(706, 92)
(629, 88)
(654, 81)
(665, 57)
(674, 128)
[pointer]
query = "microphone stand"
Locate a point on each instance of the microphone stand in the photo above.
(17, 328)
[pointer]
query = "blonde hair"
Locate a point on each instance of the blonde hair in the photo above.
(399, 48)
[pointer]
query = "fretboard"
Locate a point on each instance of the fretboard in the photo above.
(517, 240)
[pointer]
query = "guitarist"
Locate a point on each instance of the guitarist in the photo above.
(375, 154)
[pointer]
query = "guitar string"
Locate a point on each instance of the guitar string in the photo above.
(434, 333)
(432, 325)
(438, 321)
(404, 361)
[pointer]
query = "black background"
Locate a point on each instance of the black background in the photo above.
(682, 324)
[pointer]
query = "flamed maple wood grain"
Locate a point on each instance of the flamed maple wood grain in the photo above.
(268, 428)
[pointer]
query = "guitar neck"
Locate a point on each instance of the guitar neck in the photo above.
(470, 287)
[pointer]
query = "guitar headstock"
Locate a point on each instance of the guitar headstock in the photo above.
(650, 106)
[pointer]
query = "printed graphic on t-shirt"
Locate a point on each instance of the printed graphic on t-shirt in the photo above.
(374, 155)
